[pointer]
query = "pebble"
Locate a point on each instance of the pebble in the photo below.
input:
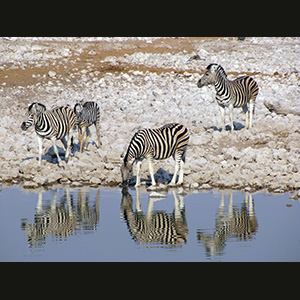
(52, 74)
(194, 185)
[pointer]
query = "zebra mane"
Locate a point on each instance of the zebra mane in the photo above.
(39, 107)
(127, 154)
(129, 147)
(219, 68)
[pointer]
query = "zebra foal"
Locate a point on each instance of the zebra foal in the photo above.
(161, 143)
(231, 94)
(53, 125)
(87, 114)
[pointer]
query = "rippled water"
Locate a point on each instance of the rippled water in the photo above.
(114, 225)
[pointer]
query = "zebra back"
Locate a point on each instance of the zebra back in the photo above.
(56, 122)
(160, 143)
(88, 113)
(244, 89)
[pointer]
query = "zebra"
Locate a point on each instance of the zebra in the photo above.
(160, 143)
(236, 222)
(52, 124)
(155, 227)
(236, 93)
(87, 114)
(59, 220)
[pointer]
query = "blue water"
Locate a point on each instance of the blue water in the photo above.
(105, 225)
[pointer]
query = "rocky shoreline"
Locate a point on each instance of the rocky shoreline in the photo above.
(147, 83)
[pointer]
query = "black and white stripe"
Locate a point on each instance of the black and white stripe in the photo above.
(87, 114)
(236, 93)
(58, 220)
(155, 227)
(234, 222)
(53, 124)
(161, 143)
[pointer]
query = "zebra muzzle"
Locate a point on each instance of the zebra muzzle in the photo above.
(199, 84)
(23, 126)
(125, 183)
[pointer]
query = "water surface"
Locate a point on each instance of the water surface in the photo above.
(108, 224)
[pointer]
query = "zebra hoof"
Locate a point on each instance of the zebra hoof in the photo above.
(61, 166)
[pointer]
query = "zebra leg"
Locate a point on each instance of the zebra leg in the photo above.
(80, 136)
(68, 147)
(252, 104)
(180, 180)
(81, 139)
(222, 110)
(177, 167)
(246, 110)
(177, 205)
(150, 162)
(40, 142)
(87, 134)
(138, 205)
(138, 173)
(56, 151)
(98, 134)
(39, 208)
(231, 117)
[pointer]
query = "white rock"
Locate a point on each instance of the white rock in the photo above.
(95, 180)
(157, 195)
(194, 185)
(52, 74)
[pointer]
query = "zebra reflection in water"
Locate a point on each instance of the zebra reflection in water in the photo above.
(155, 228)
(60, 221)
(239, 223)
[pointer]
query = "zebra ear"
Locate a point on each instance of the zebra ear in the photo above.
(38, 108)
(213, 67)
(122, 156)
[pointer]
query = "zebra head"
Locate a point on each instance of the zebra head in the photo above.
(34, 111)
(78, 109)
(126, 171)
(210, 76)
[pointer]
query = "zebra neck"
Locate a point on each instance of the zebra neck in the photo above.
(39, 121)
(136, 149)
(129, 157)
(221, 84)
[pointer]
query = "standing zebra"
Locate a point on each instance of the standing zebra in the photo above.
(236, 93)
(161, 143)
(87, 114)
(52, 124)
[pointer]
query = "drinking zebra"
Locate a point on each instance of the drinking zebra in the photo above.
(53, 125)
(87, 114)
(155, 227)
(161, 143)
(236, 93)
